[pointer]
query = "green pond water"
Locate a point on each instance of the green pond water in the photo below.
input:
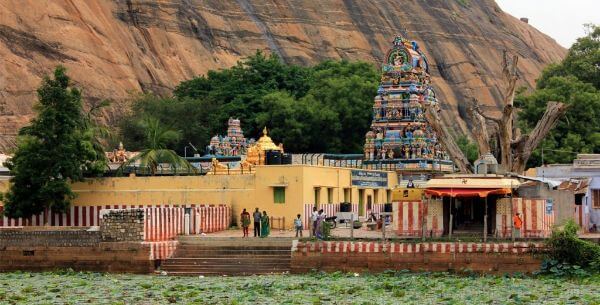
(336, 288)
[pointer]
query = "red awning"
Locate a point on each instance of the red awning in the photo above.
(466, 192)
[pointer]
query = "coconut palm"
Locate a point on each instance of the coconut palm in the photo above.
(156, 155)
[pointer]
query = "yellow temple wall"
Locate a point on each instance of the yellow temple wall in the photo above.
(402, 193)
(239, 191)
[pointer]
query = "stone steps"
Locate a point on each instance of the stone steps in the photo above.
(229, 256)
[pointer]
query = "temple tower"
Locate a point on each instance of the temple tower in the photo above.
(400, 138)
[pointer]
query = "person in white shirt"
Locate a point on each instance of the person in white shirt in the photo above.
(313, 218)
(298, 225)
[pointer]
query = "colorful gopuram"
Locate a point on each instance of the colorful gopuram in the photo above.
(233, 144)
(400, 138)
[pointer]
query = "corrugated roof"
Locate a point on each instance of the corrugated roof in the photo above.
(577, 186)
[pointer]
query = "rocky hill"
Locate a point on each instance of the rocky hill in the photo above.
(114, 48)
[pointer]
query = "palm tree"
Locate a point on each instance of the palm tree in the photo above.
(157, 138)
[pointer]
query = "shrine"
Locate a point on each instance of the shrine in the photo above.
(400, 138)
(233, 144)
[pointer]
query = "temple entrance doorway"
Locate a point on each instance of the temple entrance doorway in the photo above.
(468, 215)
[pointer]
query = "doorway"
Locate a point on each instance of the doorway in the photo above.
(468, 215)
(361, 202)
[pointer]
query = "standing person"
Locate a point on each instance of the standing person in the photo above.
(298, 225)
(256, 215)
(517, 224)
(264, 225)
(319, 226)
(313, 218)
(245, 217)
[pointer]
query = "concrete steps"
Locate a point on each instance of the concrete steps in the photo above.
(229, 256)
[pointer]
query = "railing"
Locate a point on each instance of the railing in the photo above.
(408, 164)
(277, 223)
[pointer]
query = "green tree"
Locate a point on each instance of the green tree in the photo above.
(303, 125)
(238, 91)
(469, 148)
(576, 82)
(195, 118)
(323, 108)
(57, 148)
(582, 60)
(151, 160)
(346, 89)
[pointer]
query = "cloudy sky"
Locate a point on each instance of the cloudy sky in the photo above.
(560, 19)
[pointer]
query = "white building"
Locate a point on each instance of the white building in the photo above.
(586, 170)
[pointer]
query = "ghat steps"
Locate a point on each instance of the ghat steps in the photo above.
(229, 256)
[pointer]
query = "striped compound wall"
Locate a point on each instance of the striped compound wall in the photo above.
(433, 247)
(346, 256)
(536, 221)
(409, 216)
(377, 209)
(205, 218)
(329, 209)
(162, 224)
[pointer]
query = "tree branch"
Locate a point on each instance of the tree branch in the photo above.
(447, 140)
(479, 130)
(505, 130)
(554, 111)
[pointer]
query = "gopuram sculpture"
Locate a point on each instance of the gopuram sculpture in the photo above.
(400, 137)
(233, 144)
(120, 155)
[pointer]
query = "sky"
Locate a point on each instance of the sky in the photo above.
(562, 20)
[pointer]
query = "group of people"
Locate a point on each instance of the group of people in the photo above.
(262, 225)
(317, 219)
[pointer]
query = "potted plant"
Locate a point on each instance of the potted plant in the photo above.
(357, 224)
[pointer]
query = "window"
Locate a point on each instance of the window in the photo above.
(279, 194)
(317, 196)
(389, 196)
(347, 195)
(329, 195)
(596, 199)
(376, 196)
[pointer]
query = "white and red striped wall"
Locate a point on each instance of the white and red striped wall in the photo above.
(408, 218)
(432, 247)
(330, 209)
(377, 209)
(536, 222)
(167, 218)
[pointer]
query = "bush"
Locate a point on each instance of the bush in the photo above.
(568, 253)
(326, 230)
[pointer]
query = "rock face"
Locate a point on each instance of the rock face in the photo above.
(114, 48)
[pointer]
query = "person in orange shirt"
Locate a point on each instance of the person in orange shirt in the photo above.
(517, 224)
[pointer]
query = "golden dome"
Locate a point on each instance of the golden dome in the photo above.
(265, 142)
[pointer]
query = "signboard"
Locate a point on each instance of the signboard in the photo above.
(369, 178)
(549, 206)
